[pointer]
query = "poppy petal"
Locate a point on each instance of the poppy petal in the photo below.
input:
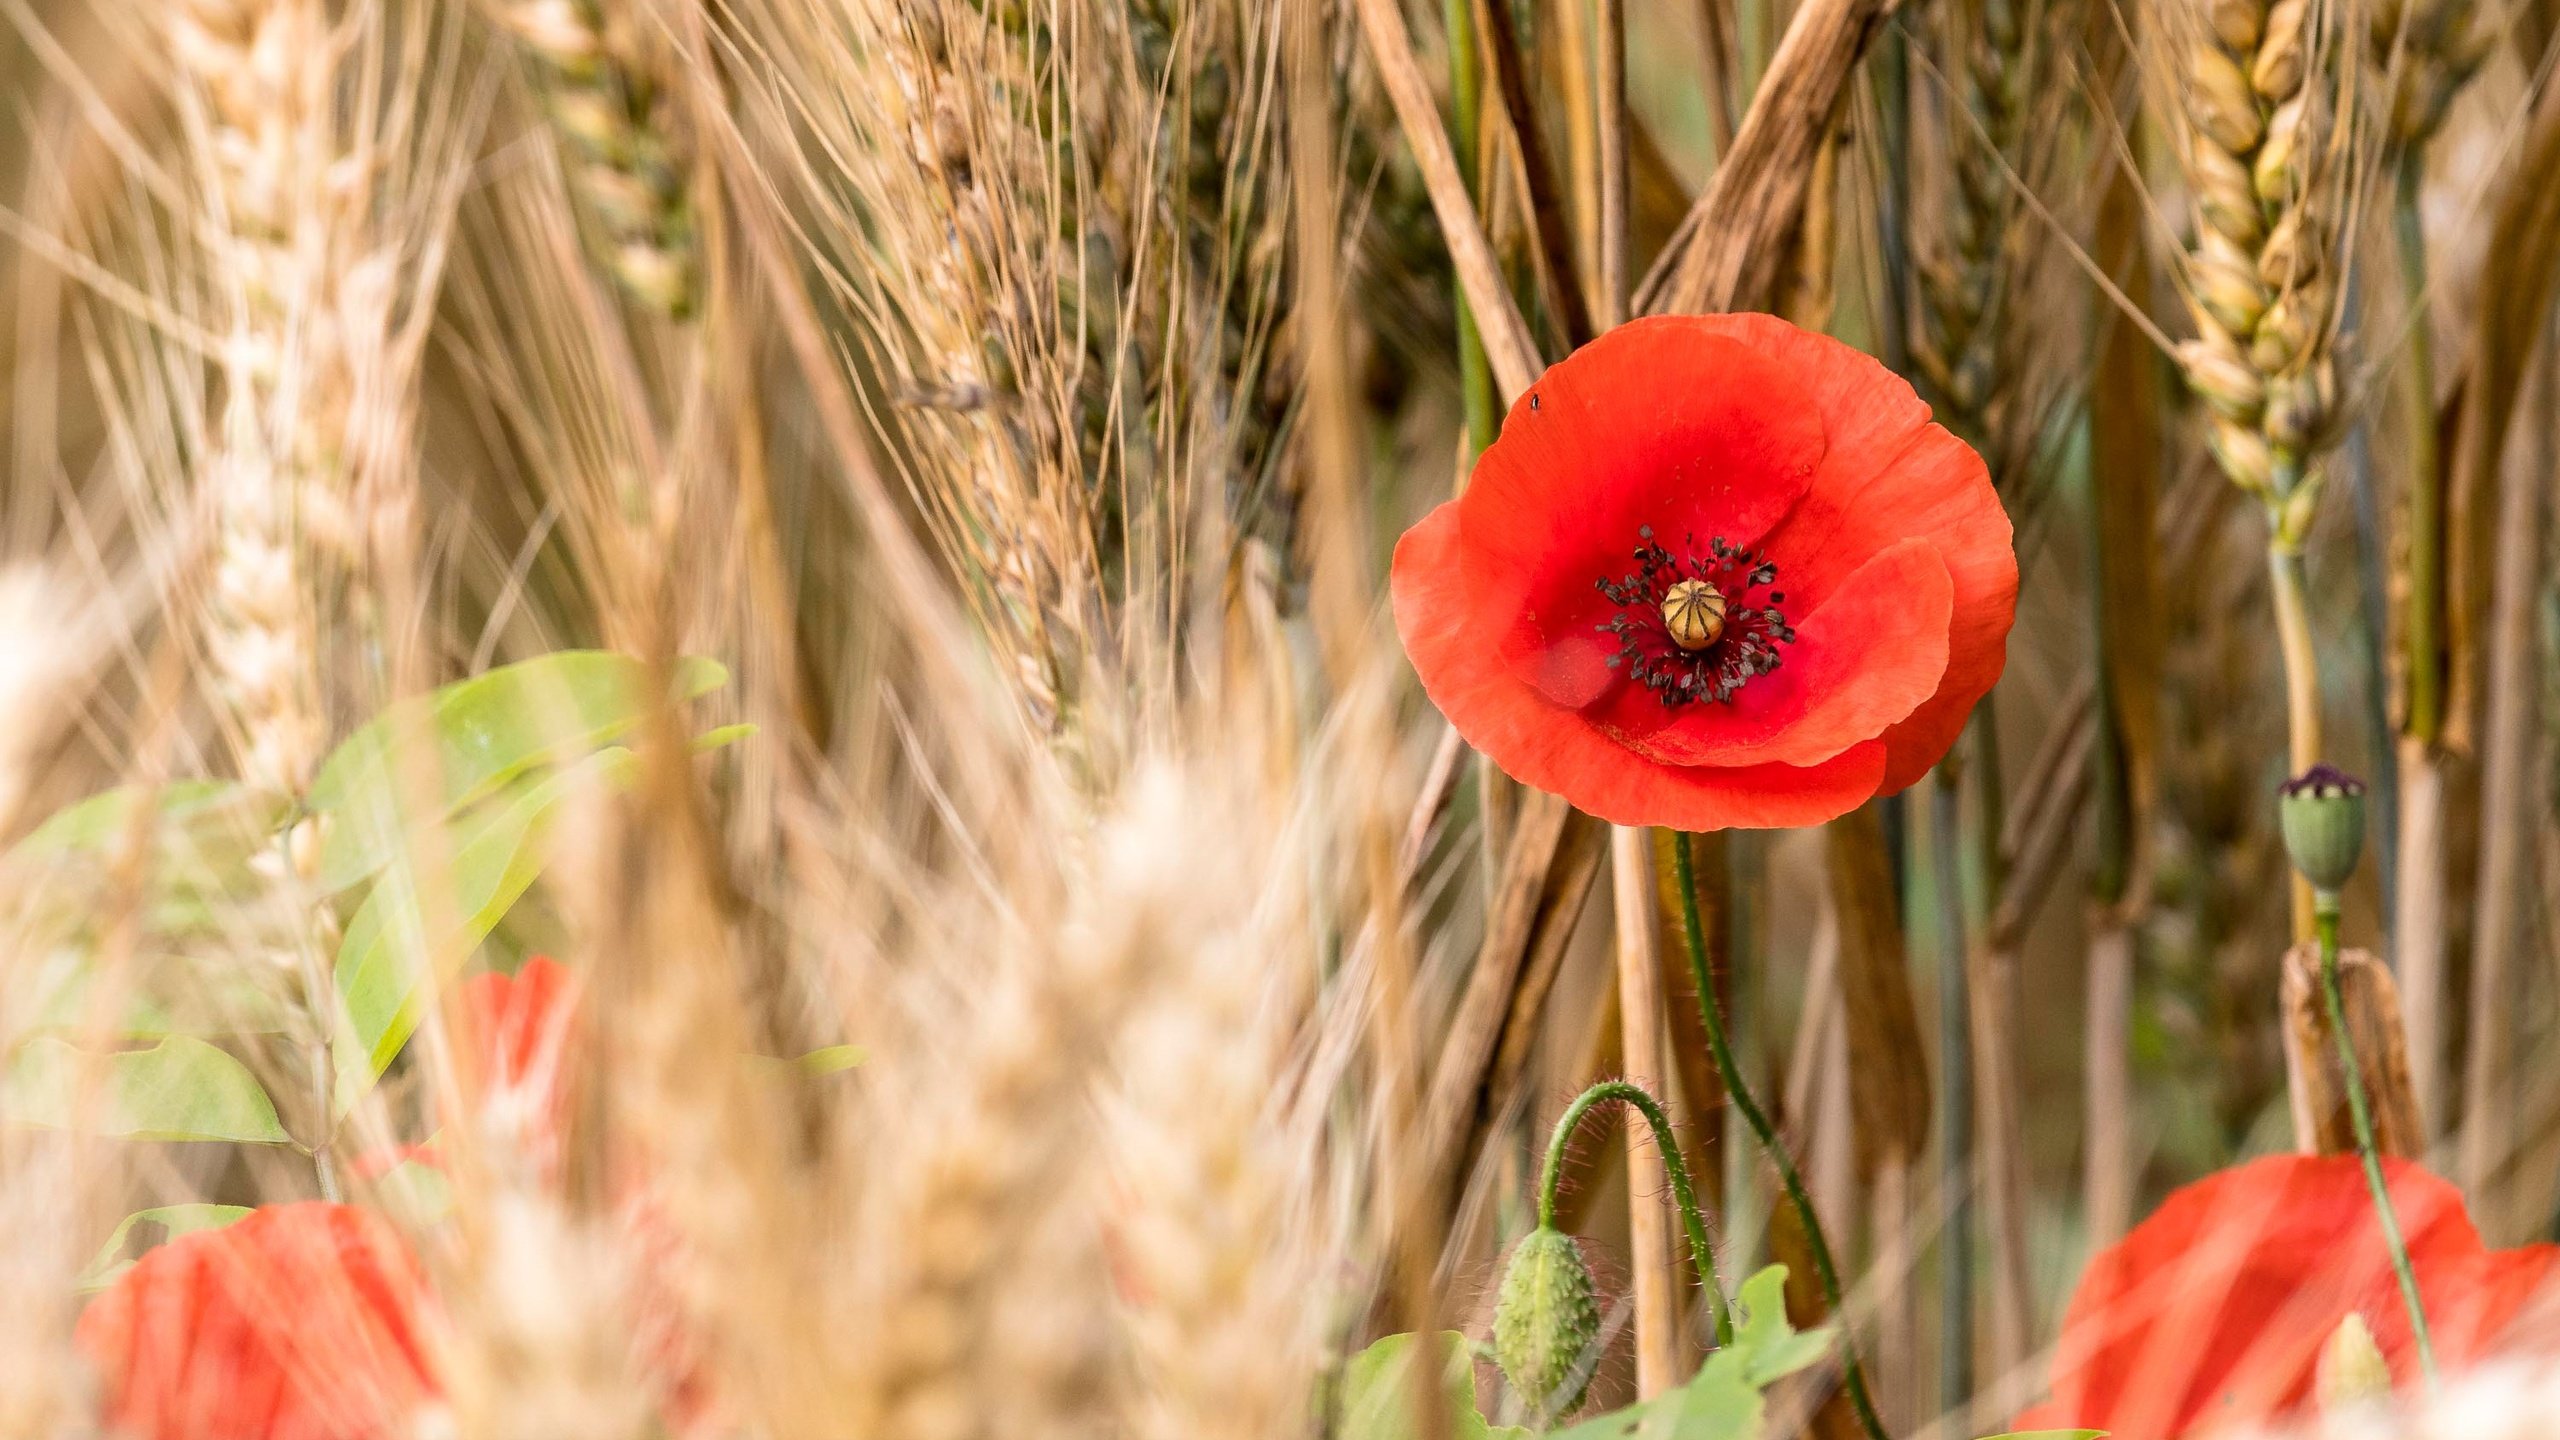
(299, 1322)
(1875, 650)
(1889, 473)
(2214, 1309)
(1556, 750)
(1667, 425)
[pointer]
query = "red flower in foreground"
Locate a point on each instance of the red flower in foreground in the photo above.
(2213, 1312)
(298, 1322)
(1717, 571)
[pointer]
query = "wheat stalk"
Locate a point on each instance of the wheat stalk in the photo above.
(2269, 153)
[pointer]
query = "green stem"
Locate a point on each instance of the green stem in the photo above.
(1955, 1097)
(1701, 1253)
(2291, 596)
(2423, 612)
(2326, 912)
(1475, 373)
(1685, 875)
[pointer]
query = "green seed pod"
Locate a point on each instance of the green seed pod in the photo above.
(2352, 1371)
(1546, 1318)
(2323, 814)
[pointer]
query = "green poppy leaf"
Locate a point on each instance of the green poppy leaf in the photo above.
(1377, 1391)
(170, 1221)
(383, 961)
(178, 1089)
(488, 731)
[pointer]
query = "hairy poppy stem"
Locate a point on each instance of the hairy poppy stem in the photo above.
(1685, 871)
(1701, 1253)
(2325, 914)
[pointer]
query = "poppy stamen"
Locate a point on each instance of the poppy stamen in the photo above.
(1682, 631)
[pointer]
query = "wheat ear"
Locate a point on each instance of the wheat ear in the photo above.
(598, 82)
(2260, 118)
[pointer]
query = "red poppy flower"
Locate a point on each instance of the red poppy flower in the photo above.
(516, 1043)
(2212, 1313)
(1717, 571)
(297, 1322)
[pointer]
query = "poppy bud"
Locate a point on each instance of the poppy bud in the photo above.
(2352, 1370)
(2323, 815)
(1693, 611)
(1544, 1322)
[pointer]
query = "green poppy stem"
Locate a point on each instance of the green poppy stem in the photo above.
(1855, 1375)
(2325, 923)
(1701, 1253)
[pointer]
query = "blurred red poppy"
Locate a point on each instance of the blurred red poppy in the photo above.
(515, 1035)
(2212, 1313)
(297, 1322)
(1717, 571)
(518, 1029)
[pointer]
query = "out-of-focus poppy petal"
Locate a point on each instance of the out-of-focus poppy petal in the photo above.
(2212, 1311)
(298, 1322)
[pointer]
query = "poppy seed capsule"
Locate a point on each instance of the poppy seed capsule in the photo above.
(1546, 1317)
(2323, 815)
(1693, 611)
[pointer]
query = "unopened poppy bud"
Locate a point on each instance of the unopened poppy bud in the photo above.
(1547, 1317)
(2323, 814)
(2352, 1370)
(1693, 611)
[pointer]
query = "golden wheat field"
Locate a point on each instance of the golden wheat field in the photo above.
(1278, 719)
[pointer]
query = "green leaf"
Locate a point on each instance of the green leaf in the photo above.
(1726, 1399)
(1773, 1349)
(172, 1220)
(1377, 1392)
(383, 961)
(833, 1059)
(190, 812)
(488, 731)
(179, 1089)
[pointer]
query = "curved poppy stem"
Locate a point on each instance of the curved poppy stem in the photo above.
(2325, 916)
(1701, 1253)
(1684, 870)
